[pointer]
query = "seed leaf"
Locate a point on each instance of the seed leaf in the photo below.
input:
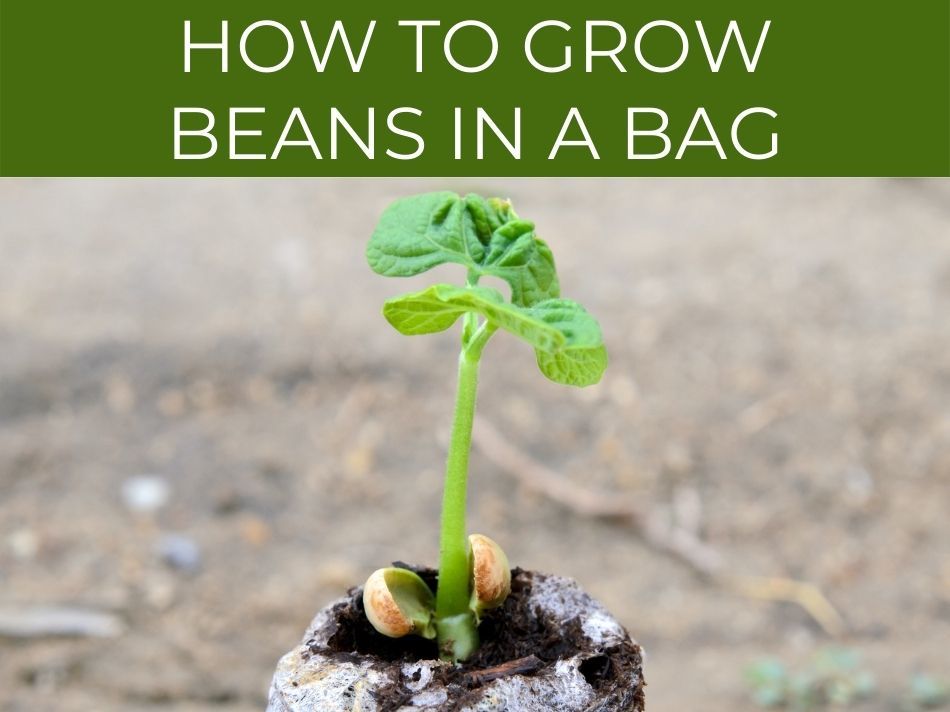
(420, 232)
(414, 599)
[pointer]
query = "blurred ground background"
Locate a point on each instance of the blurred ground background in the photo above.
(208, 431)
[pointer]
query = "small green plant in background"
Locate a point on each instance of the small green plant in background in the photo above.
(833, 678)
(487, 238)
(926, 692)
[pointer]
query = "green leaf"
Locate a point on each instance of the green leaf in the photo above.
(766, 671)
(437, 308)
(420, 232)
(582, 359)
(567, 340)
(833, 661)
(928, 691)
(425, 312)
(769, 696)
(417, 233)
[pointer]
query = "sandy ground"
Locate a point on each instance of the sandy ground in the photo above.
(779, 354)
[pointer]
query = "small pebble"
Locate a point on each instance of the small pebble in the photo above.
(172, 403)
(24, 544)
(180, 552)
(255, 530)
(160, 590)
(55, 621)
(119, 394)
(145, 493)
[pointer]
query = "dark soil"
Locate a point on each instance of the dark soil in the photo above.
(515, 639)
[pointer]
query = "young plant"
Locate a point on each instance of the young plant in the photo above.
(487, 238)
(834, 678)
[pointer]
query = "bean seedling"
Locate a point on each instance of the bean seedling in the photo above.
(487, 238)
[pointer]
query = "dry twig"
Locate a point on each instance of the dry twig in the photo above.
(58, 621)
(520, 666)
(777, 588)
(658, 527)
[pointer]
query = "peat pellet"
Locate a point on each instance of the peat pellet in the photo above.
(549, 647)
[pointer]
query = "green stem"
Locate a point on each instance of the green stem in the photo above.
(455, 622)
(457, 639)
